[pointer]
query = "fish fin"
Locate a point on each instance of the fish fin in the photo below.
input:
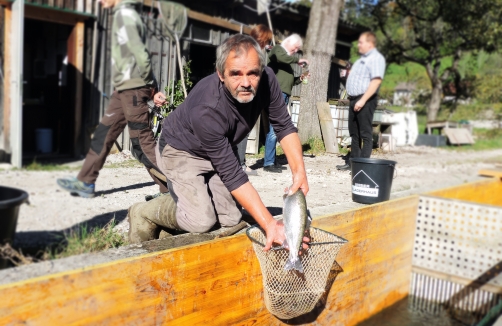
(296, 264)
(285, 244)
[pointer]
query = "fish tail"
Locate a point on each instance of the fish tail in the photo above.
(294, 264)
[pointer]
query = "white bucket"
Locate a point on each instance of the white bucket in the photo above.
(44, 140)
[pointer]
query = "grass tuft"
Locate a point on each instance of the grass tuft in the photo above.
(314, 146)
(87, 240)
(36, 166)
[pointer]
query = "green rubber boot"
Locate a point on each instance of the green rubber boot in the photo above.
(146, 217)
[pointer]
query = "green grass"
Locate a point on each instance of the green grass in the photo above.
(132, 163)
(36, 166)
(81, 241)
(88, 240)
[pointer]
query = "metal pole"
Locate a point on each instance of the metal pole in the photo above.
(180, 64)
(270, 26)
(16, 89)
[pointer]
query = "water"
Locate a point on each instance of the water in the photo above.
(413, 312)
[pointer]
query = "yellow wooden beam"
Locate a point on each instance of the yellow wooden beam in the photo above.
(495, 173)
(488, 192)
(219, 282)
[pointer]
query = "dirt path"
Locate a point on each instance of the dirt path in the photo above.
(123, 182)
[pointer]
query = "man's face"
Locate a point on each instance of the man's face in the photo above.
(108, 3)
(363, 45)
(292, 48)
(242, 75)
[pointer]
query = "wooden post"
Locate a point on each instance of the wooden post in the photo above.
(15, 41)
(6, 78)
(76, 61)
(327, 128)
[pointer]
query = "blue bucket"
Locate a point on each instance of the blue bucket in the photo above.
(44, 140)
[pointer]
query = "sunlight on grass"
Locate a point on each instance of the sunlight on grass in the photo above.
(36, 166)
(88, 240)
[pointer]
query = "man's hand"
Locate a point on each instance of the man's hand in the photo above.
(359, 105)
(275, 233)
(301, 61)
(299, 182)
(159, 99)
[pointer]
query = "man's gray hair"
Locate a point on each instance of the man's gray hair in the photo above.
(292, 40)
(238, 43)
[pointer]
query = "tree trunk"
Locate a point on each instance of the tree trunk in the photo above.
(435, 102)
(437, 90)
(319, 47)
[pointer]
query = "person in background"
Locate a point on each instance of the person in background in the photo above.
(280, 60)
(263, 35)
(134, 86)
(362, 85)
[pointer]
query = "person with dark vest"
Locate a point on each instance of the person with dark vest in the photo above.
(196, 150)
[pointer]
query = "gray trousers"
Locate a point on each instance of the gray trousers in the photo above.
(201, 197)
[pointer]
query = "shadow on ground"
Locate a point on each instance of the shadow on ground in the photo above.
(32, 242)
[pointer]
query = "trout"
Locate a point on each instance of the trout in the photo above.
(296, 220)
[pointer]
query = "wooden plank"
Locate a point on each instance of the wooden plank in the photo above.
(219, 282)
(76, 62)
(327, 128)
(7, 64)
(254, 135)
(459, 136)
(488, 192)
(217, 21)
(53, 16)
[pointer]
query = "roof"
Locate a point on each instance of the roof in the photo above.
(405, 87)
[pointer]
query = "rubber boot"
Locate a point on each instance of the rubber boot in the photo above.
(141, 229)
(162, 211)
(146, 217)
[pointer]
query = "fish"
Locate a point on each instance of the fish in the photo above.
(296, 220)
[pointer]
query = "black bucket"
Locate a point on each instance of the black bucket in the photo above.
(10, 200)
(371, 179)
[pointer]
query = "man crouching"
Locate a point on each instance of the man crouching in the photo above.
(197, 147)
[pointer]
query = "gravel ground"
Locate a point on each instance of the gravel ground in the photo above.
(123, 182)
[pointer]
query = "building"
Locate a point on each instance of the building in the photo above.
(403, 94)
(55, 62)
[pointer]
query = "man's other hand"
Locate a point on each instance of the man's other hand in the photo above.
(159, 99)
(299, 182)
(275, 234)
(359, 105)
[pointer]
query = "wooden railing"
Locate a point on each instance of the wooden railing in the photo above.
(77, 6)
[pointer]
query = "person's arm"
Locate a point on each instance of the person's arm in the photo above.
(248, 197)
(292, 147)
(372, 88)
(282, 56)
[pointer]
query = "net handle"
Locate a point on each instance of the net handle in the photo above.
(248, 233)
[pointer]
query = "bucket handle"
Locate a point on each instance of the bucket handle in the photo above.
(395, 173)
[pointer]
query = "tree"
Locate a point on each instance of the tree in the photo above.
(319, 47)
(429, 31)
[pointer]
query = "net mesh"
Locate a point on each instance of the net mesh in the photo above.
(288, 294)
